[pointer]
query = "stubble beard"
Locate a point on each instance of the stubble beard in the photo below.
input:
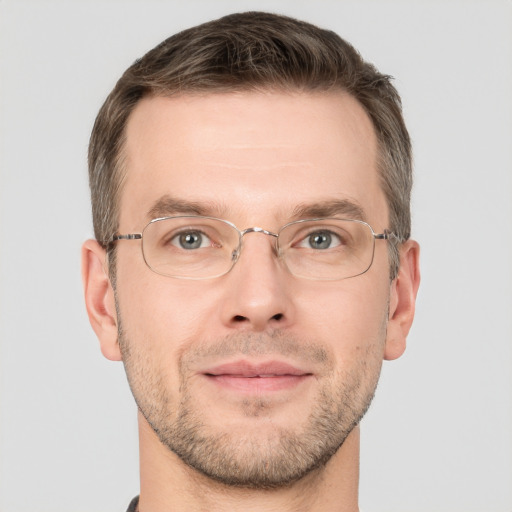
(235, 458)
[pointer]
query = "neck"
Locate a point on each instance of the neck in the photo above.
(167, 484)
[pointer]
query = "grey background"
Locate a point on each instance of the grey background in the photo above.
(439, 435)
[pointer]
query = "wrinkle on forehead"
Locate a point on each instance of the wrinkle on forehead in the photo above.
(275, 157)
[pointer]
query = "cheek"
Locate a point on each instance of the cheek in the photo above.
(163, 314)
(157, 322)
(350, 317)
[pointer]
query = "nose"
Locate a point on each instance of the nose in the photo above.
(258, 288)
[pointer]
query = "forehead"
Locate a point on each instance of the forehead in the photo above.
(251, 157)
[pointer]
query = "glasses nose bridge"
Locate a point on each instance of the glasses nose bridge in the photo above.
(236, 253)
(257, 229)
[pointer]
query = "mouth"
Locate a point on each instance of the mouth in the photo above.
(247, 377)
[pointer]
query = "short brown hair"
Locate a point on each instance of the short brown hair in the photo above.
(244, 52)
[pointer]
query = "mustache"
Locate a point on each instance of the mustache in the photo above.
(256, 345)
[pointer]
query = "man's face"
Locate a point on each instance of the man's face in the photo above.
(256, 377)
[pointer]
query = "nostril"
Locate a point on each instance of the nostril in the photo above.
(240, 318)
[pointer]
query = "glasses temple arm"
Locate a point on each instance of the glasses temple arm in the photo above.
(132, 236)
(387, 235)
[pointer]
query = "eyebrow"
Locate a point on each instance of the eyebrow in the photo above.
(330, 208)
(167, 206)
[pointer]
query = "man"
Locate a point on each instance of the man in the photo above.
(252, 266)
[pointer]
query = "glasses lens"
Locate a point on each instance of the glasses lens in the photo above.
(327, 249)
(190, 247)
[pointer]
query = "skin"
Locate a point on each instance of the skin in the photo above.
(253, 157)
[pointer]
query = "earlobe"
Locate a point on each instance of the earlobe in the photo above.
(402, 300)
(99, 299)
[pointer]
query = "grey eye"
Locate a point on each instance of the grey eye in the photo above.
(190, 240)
(321, 240)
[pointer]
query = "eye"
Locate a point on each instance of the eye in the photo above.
(190, 240)
(320, 240)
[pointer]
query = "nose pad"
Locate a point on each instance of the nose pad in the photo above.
(235, 254)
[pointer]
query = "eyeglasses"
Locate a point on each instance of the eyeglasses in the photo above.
(197, 247)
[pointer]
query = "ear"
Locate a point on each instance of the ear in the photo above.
(404, 289)
(99, 298)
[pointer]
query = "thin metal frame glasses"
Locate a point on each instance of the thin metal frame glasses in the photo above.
(199, 247)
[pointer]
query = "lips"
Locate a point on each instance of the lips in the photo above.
(256, 378)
